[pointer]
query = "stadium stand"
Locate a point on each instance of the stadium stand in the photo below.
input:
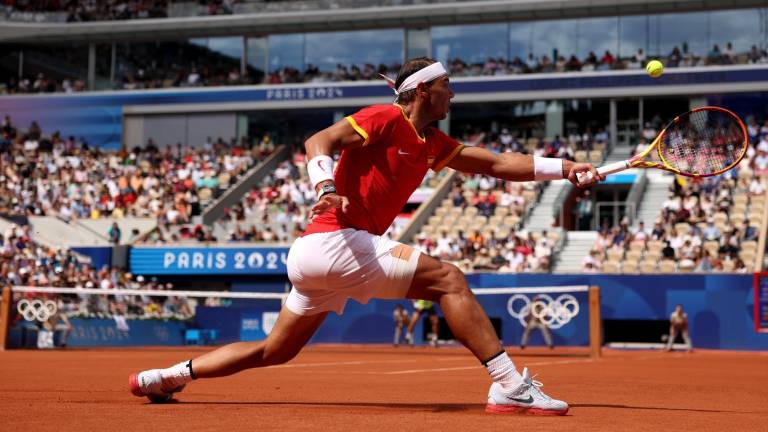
(176, 64)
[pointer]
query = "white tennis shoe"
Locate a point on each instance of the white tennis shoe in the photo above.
(525, 399)
(150, 384)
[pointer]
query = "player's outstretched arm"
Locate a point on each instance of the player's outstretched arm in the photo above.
(513, 166)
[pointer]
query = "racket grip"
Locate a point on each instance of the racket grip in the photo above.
(587, 177)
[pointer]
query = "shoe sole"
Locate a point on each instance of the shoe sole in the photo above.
(133, 384)
(512, 409)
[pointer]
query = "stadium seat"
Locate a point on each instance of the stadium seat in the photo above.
(596, 156)
(615, 254)
(667, 266)
(501, 211)
(655, 246)
(654, 256)
(749, 246)
(630, 266)
(748, 256)
(633, 255)
(554, 236)
(728, 265)
(580, 156)
(529, 196)
(682, 227)
(610, 267)
(648, 266)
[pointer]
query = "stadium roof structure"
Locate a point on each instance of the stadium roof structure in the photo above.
(412, 16)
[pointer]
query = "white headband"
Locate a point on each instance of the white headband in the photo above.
(429, 73)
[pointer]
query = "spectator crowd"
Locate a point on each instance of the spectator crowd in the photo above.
(63, 177)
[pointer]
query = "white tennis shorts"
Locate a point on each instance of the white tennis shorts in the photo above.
(327, 269)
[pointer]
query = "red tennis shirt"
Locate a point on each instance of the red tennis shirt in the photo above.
(379, 177)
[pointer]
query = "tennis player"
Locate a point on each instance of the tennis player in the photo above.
(385, 152)
(421, 308)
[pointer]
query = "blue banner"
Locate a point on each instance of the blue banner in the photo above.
(761, 302)
(208, 261)
(101, 332)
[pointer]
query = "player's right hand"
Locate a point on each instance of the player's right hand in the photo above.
(327, 202)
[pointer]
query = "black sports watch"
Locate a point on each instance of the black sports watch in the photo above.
(326, 189)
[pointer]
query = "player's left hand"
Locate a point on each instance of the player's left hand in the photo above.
(576, 168)
(327, 202)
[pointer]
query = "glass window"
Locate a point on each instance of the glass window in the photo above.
(740, 27)
(258, 51)
(418, 43)
(521, 35)
(471, 43)
(633, 35)
(286, 51)
(691, 29)
(231, 47)
(595, 34)
(551, 36)
(376, 47)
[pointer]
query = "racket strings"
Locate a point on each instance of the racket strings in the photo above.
(703, 142)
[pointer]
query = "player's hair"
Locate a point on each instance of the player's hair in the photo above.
(409, 68)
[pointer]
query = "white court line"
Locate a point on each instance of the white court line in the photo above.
(345, 363)
(414, 371)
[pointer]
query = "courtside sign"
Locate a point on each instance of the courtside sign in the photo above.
(761, 302)
(208, 261)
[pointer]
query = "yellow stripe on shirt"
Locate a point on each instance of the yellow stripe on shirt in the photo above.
(440, 165)
(358, 129)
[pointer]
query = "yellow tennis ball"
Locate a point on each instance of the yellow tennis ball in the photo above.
(654, 68)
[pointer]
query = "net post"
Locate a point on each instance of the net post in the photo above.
(595, 323)
(5, 317)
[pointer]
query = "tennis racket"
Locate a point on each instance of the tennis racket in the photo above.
(703, 142)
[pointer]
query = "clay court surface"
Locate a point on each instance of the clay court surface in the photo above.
(333, 388)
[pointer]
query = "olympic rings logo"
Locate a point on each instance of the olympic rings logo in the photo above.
(36, 309)
(554, 313)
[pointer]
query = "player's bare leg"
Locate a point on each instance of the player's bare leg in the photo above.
(510, 392)
(445, 284)
(287, 338)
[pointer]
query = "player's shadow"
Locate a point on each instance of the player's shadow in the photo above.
(429, 407)
(630, 407)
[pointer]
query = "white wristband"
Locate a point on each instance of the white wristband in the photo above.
(320, 169)
(547, 168)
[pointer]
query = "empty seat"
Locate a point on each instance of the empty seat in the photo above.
(667, 266)
(615, 254)
(596, 156)
(610, 267)
(648, 267)
(629, 267)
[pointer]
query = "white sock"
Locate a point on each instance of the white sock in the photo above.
(503, 371)
(177, 375)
